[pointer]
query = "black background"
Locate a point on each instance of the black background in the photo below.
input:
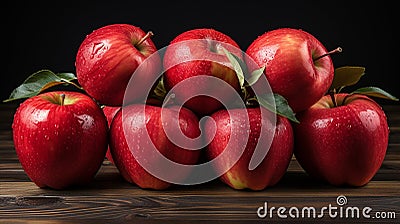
(46, 36)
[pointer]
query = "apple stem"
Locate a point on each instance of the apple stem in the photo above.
(345, 98)
(332, 94)
(148, 34)
(62, 96)
(169, 99)
(337, 50)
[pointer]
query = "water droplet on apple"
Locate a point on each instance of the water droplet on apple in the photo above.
(370, 119)
(255, 139)
(98, 49)
(85, 121)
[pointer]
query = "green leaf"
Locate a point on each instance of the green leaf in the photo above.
(237, 66)
(67, 76)
(40, 81)
(242, 64)
(281, 106)
(255, 75)
(375, 92)
(346, 76)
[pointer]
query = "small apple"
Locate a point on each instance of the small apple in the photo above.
(200, 52)
(137, 129)
(109, 112)
(342, 144)
(297, 65)
(60, 138)
(262, 132)
(107, 58)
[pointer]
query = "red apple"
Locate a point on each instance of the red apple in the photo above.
(260, 132)
(137, 131)
(297, 65)
(107, 58)
(60, 138)
(343, 144)
(109, 112)
(200, 52)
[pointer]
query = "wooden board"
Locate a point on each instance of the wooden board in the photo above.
(109, 199)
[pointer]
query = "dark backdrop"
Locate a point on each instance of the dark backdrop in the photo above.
(37, 36)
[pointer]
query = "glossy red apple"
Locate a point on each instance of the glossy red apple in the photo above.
(344, 144)
(261, 132)
(60, 138)
(297, 65)
(109, 112)
(137, 129)
(198, 52)
(107, 58)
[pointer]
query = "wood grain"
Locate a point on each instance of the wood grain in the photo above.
(109, 199)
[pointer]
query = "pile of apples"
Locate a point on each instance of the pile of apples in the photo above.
(62, 137)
